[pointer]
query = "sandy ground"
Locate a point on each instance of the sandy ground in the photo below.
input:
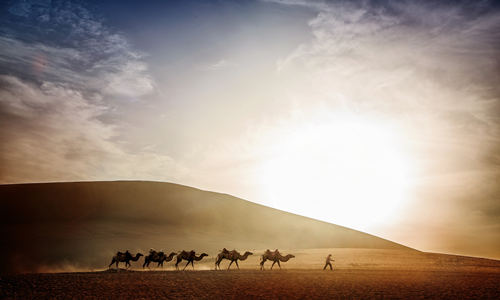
(276, 284)
(358, 274)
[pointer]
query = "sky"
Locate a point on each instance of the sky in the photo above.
(383, 116)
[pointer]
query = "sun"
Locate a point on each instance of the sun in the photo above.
(347, 171)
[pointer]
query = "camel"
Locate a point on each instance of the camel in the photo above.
(125, 257)
(224, 253)
(233, 256)
(157, 257)
(275, 256)
(190, 257)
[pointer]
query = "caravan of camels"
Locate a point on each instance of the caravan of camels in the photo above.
(233, 256)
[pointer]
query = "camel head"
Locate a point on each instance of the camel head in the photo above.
(203, 255)
(290, 256)
(139, 254)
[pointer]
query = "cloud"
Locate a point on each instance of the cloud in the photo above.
(53, 133)
(59, 66)
(220, 64)
(427, 66)
(71, 46)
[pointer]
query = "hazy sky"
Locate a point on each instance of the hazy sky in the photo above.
(383, 116)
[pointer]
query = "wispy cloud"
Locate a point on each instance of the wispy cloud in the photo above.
(220, 64)
(71, 46)
(59, 63)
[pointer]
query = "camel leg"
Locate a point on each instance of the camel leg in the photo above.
(186, 265)
(177, 264)
(237, 264)
(273, 265)
(217, 263)
(279, 265)
(192, 264)
(262, 264)
(230, 265)
(112, 262)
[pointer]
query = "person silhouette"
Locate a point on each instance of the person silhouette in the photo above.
(328, 262)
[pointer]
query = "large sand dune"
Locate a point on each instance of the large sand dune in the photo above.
(78, 226)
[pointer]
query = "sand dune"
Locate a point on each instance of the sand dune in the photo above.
(74, 226)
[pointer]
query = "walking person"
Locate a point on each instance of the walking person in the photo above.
(329, 259)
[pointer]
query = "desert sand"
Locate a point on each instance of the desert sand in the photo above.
(358, 274)
(284, 284)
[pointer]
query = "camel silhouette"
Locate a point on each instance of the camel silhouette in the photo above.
(125, 257)
(275, 257)
(190, 257)
(233, 256)
(157, 257)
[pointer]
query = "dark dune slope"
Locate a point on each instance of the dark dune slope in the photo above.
(56, 225)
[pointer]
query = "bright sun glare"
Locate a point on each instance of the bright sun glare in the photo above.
(349, 172)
